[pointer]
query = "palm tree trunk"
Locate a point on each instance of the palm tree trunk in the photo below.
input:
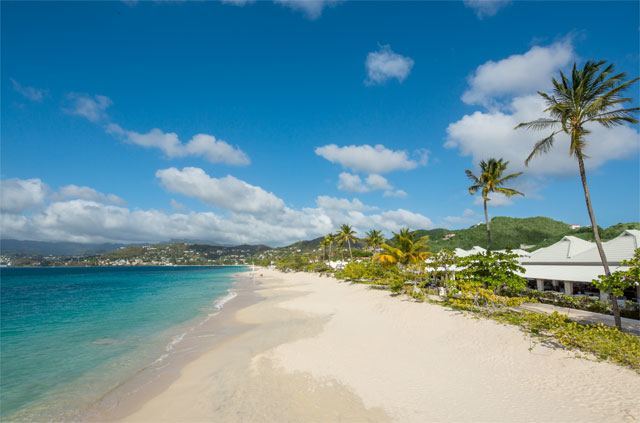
(596, 236)
(330, 251)
(486, 219)
(350, 253)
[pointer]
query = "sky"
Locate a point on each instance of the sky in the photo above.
(274, 121)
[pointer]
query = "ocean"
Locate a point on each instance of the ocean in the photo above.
(69, 335)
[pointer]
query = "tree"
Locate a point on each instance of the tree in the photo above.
(328, 241)
(491, 180)
(618, 281)
(443, 263)
(589, 96)
(374, 239)
(496, 271)
(346, 235)
(406, 248)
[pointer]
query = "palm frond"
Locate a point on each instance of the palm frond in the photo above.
(541, 147)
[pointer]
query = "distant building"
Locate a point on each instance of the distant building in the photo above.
(574, 227)
(448, 236)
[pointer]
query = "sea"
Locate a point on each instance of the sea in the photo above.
(70, 335)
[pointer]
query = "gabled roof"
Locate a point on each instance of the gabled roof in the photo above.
(619, 248)
(474, 250)
(563, 250)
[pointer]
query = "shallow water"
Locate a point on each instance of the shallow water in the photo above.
(69, 335)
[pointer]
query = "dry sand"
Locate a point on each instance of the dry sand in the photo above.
(315, 349)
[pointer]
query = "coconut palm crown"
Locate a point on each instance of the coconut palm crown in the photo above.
(346, 235)
(592, 95)
(491, 180)
(406, 248)
(374, 239)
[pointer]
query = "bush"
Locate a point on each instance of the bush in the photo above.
(497, 271)
(365, 270)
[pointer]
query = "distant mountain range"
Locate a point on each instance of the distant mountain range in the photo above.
(507, 232)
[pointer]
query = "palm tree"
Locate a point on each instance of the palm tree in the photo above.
(374, 239)
(328, 241)
(491, 180)
(346, 235)
(589, 96)
(407, 248)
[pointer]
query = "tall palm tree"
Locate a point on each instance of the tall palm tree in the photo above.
(346, 235)
(406, 248)
(491, 180)
(374, 239)
(328, 241)
(589, 96)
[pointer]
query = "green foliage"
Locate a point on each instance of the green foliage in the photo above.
(497, 271)
(571, 301)
(366, 270)
(471, 295)
(294, 262)
(406, 248)
(442, 264)
(618, 281)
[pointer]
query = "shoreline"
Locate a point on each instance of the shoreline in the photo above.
(316, 349)
(193, 339)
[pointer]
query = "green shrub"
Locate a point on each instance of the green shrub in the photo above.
(496, 271)
(365, 270)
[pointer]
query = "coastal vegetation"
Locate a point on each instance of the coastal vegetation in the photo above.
(486, 285)
(592, 95)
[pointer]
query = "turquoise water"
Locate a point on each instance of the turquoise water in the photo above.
(69, 334)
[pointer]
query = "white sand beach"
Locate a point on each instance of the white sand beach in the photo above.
(316, 349)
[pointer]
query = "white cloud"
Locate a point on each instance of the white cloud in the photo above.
(312, 9)
(203, 145)
(332, 203)
(93, 108)
(249, 215)
(228, 192)
(370, 159)
(496, 199)
(385, 64)
(176, 205)
(518, 74)
(491, 134)
(87, 193)
(30, 93)
(351, 183)
(468, 217)
(396, 193)
(486, 8)
(378, 182)
(237, 2)
(17, 195)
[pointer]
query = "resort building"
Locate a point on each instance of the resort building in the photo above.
(571, 264)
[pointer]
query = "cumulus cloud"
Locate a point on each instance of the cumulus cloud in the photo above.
(30, 93)
(486, 8)
(87, 193)
(93, 108)
(385, 64)
(312, 9)
(228, 192)
(491, 134)
(518, 74)
(82, 220)
(354, 183)
(468, 217)
(370, 159)
(201, 145)
(17, 195)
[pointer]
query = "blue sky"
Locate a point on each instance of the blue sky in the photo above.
(278, 91)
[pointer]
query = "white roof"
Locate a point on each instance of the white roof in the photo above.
(562, 251)
(566, 272)
(517, 251)
(474, 250)
(620, 248)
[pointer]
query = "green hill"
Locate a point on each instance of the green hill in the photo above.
(507, 232)
(510, 232)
